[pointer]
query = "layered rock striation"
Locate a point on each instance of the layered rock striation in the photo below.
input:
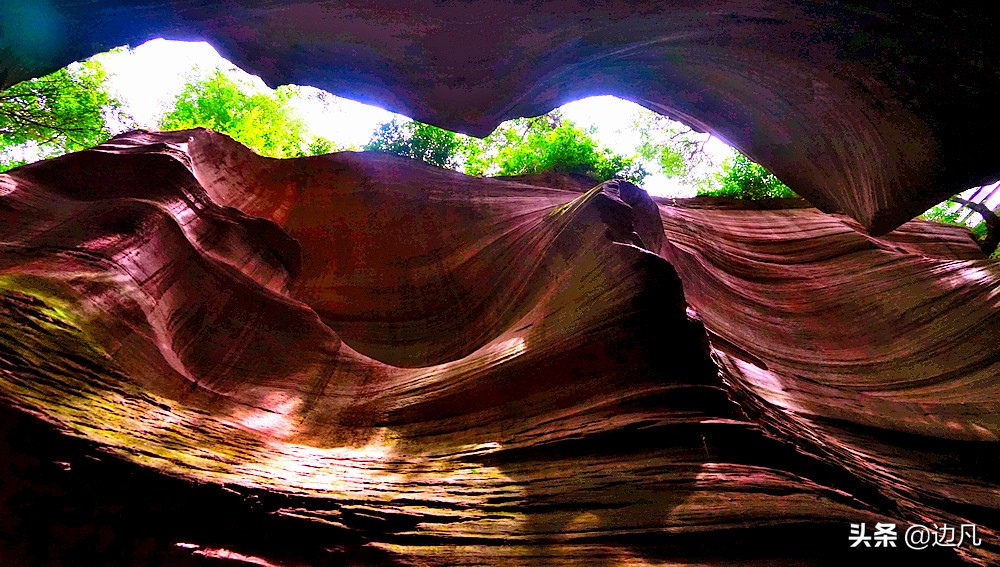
(361, 358)
(878, 112)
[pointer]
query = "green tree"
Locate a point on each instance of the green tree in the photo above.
(55, 114)
(549, 143)
(517, 147)
(678, 150)
(417, 140)
(744, 179)
(946, 212)
(986, 231)
(264, 122)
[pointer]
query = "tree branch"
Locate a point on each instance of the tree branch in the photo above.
(988, 244)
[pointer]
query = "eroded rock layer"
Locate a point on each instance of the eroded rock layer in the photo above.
(361, 358)
(876, 111)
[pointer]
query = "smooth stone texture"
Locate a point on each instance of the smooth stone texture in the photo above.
(879, 113)
(376, 360)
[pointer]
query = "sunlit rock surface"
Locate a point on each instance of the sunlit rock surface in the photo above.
(361, 359)
(876, 110)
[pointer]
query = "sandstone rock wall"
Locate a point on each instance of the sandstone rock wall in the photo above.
(876, 111)
(378, 361)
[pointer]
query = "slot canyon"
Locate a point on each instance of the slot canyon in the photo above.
(210, 356)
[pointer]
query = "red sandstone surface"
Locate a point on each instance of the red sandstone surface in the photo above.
(361, 359)
(878, 110)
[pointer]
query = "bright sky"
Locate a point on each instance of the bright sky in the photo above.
(148, 78)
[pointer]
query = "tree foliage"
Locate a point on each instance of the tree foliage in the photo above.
(678, 150)
(550, 143)
(58, 113)
(744, 179)
(417, 140)
(946, 212)
(518, 147)
(951, 212)
(69, 110)
(265, 122)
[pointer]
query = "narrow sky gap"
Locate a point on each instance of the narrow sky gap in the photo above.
(148, 78)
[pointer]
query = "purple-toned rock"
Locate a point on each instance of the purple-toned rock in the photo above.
(359, 358)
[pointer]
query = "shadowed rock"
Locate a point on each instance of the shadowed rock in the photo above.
(379, 361)
(879, 113)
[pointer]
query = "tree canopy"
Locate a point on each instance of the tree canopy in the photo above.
(417, 140)
(744, 179)
(953, 211)
(62, 112)
(69, 110)
(518, 147)
(678, 150)
(72, 109)
(263, 121)
(549, 143)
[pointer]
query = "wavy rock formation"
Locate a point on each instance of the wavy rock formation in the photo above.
(879, 111)
(361, 359)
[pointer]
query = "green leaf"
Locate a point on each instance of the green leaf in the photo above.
(517, 147)
(264, 122)
(744, 179)
(61, 112)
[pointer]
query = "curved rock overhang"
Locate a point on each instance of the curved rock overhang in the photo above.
(877, 112)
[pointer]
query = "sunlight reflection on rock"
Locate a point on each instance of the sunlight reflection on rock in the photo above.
(275, 418)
